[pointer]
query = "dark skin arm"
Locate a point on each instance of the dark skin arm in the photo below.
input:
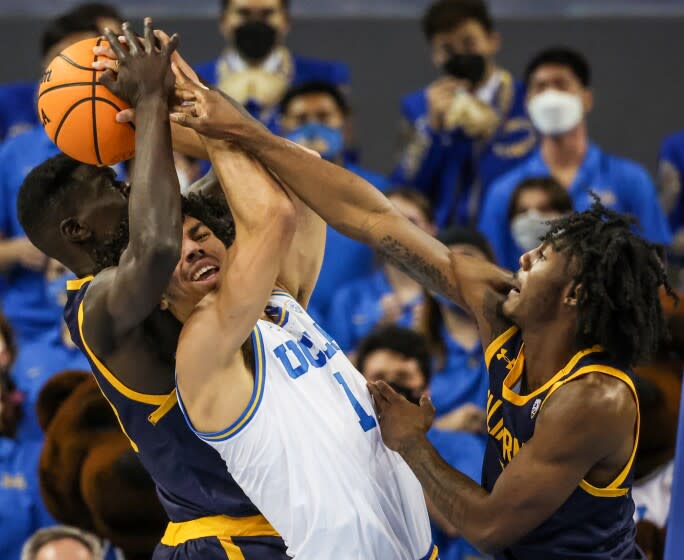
(565, 449)
(358, 210)
(124, 296)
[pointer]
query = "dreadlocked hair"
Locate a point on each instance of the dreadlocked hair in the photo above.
(213, 212)
(618, 275)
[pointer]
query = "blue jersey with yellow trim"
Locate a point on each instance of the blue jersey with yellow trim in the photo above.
(593, 522)
(191, 478)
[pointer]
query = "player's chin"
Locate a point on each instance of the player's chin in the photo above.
(206, 285)
(510, 304)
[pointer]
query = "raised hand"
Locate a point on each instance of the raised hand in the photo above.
(207, 111)
(143, 70)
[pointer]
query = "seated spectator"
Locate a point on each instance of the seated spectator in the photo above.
(45, 355)
(534, 203)
(316, 114)
(558, 100)
(386, 297)
(469, 126)
(62, 543)
(18, 100)
(671, 175)
(459, 381)
(401, 358)
(21, 507)
(256, 68)
(24, 294)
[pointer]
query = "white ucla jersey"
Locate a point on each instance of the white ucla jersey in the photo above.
(652, 494)
(308, 453)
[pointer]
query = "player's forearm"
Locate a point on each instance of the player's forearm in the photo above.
(462, 502)
(253, 195)
(154, 205)
(187, 142)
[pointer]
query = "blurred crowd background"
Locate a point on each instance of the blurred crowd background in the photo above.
(480, 121)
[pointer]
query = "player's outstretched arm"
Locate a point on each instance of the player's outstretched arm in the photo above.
(213, 335)
(355, 208)
(145, 80)
(587, 423)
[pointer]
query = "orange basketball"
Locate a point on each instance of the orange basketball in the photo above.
(78, 113)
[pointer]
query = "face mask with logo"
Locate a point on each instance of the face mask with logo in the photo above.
(469, 67)
(254, 40)
(326, 140)
(555, 112)
(529, 227)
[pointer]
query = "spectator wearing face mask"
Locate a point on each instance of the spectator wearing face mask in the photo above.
(670, 177)
(469, 126)
(534, 203)
(23, 285)
(316, 115)
(388, 296)
(401, 358)
(558, 101)
(18, 100)
(256, 68)
(21, 507)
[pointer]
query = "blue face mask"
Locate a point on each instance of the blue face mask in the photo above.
(326, 140)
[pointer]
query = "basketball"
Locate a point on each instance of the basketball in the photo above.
(78, 113)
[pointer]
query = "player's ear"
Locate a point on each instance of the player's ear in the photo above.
(74, 231)
(572, 295)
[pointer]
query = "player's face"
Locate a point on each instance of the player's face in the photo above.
(544, 277)
(312, 108)
(197, 272)
(397, 370)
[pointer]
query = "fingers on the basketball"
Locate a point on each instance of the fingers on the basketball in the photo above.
(119, 52)
(125, 116)
(106, 64)
(107, 79)
(148, 39)
(169, 48)
(131, 39)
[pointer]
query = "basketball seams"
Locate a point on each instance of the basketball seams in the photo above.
(61, 86)
(66, 114)
(93, 97)
(75, 64)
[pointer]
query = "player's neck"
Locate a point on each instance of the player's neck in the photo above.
(566, 151)
(547, 350)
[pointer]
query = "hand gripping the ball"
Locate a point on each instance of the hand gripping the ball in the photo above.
(144, 71)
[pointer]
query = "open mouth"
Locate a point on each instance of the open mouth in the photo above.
(205, 273)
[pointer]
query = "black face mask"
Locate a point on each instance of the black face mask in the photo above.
(255, 39)
(469, 67)
(406, 392)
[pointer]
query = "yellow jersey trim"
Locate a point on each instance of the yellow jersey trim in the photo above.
(77, 283)
(164, 409)
(156, 400)
(221, 526)
(496, 344)
(232, 550)
(255, 399)
(515, 374)
(613, 489)
(435, 553)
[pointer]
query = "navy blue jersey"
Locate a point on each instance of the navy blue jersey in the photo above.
(593, 522)
(193, 484)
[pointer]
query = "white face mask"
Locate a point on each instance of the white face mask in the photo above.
(529, 227)
(555, 112)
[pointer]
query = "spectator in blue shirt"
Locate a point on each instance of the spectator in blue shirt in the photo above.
(256, 68)
(18, 100)
(24, 289)
(671, 174)
(559, 98)
(21, 507)
(469, 126)
(316, 114)
(388, 296)
(459, 379)
(401, 358)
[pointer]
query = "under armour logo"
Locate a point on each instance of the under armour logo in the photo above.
(502, 356)
(535, 408)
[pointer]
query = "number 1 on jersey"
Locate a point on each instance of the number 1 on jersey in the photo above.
(366, 421)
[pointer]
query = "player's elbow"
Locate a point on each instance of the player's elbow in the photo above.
(283, 219)
(160, 254)
(490, 538)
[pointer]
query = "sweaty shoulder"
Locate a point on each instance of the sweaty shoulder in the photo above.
(603, 405)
